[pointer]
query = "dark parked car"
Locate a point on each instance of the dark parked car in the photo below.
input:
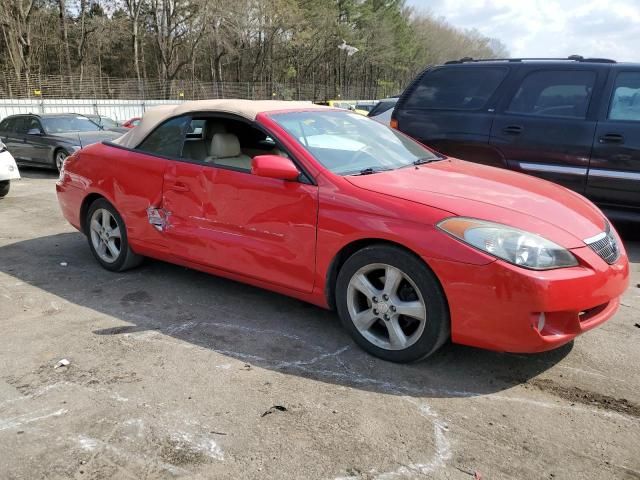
(46, 140)
(383, 110)
(573, 121)
(382, 106)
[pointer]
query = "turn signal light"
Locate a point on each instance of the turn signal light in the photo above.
(394, 123)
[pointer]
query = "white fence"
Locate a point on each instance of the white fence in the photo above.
(120, 110)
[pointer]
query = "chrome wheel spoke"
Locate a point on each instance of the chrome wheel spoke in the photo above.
(95, 225)
(364, 320)
(112, 248)
(413, 309)
(115, 233)
(361, 283)
(105, 219)
(392, 279)
(102, 249)
(397, 338)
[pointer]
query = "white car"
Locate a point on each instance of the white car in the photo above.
(8, 170)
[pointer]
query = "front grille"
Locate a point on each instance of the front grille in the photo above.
(605, 245)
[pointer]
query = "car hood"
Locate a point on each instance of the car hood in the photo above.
(87, 138)
(488, 193)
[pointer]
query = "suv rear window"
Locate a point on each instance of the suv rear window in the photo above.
(554, 93)
(456, 88)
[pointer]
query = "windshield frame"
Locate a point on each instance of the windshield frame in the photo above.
(426, 154)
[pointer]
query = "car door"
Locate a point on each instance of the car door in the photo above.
(226, 217)
(546, 126)
(36, 146)
(614, 172)
(451, 109)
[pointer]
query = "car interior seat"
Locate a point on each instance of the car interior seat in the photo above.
(198, 149)
(225, 150)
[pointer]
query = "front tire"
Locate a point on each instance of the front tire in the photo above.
(392, 304)
(4, 188)
(107, 235)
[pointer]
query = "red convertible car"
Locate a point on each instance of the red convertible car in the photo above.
(412, 248)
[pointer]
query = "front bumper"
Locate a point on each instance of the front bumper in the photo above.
(8, 168)
(498, 306)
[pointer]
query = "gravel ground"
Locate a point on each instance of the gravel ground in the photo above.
(175, 373)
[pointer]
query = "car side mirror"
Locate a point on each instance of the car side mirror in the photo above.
(34, 131)
(274, 166)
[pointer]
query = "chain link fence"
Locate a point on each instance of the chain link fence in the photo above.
(109, 88)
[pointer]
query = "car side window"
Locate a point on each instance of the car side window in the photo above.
(5, 125)
(456, 88)
(554, 93)
(625, 102)
(33, 124)
(227, 143)
(20, 125)
(167, 139)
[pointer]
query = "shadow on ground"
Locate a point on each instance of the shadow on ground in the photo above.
(630, 232)
(259, 327)
(34, 172)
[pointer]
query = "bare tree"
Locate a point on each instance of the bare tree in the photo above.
(134, 8)
(15, 17)
(64, 35)
(178, 29)
(85, 31)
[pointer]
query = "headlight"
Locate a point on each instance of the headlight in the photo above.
(516, 246)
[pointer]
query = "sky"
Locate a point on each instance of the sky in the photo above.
(549, 28)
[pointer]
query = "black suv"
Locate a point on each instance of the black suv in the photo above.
(46, 140)
(574, 121)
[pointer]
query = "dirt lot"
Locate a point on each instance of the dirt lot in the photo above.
(175, 373)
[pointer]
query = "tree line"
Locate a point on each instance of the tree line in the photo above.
(367, 47)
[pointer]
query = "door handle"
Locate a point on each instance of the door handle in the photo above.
(512, 130)
(179, 187)
(611, 138)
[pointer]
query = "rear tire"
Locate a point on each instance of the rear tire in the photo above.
(107, 235)
(392, 304)
(4, 188)
(59, 157)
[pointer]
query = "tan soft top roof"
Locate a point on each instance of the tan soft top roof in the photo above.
(248, 109)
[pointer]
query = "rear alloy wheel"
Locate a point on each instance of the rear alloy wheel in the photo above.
(4, 188)
(392, 304)
(107, 236)
(60, 157)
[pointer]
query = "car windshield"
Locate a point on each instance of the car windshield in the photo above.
(68, 124)
(107, 122)
(348, 143)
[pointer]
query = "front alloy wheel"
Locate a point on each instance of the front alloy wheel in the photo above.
(392, 304)
(386, 306)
